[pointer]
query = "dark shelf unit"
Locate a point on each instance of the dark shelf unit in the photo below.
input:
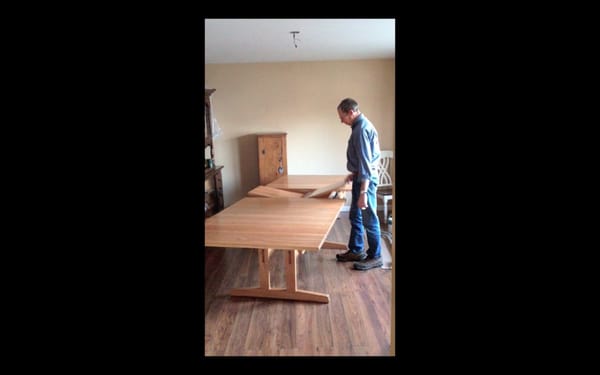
(213, 181)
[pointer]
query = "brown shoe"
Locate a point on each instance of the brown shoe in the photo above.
(349, 256)
(369, 263)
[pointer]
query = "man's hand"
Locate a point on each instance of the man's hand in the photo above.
(362, 201)
(349, 178)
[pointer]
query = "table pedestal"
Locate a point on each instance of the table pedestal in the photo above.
(291, 291)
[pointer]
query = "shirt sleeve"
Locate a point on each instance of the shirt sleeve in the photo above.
(364, 146)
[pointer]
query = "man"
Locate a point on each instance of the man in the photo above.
(362, 156)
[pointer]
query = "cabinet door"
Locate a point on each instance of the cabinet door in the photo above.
(213, 192)
(272, 158)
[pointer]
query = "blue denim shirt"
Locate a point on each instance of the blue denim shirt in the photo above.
(363, 150)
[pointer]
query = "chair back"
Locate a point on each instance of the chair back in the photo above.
(385, 178)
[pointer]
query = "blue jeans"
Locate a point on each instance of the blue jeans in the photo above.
(366, 218)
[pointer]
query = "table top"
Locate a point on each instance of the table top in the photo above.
(305, 183)
(273, 223)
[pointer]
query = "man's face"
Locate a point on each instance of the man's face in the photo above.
(345, 118)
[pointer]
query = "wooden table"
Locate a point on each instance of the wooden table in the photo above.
(291, 224)
(306, 183)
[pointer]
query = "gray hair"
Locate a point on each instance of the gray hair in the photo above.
(348, 104)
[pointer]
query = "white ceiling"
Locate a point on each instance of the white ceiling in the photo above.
(270, 40)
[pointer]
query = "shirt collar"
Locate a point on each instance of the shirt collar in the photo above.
(357, 120)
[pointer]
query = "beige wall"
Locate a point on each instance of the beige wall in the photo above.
(301, 100)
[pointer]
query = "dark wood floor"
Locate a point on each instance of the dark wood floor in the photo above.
(356, 321)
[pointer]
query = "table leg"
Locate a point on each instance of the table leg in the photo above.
(291, 291)
(264, 273)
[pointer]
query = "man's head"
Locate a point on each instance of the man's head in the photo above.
(348, 111)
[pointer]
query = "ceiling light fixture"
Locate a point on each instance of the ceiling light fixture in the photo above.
(294, 36)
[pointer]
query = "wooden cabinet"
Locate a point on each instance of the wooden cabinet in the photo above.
(213, 182)
(272, 156)
(213, 191)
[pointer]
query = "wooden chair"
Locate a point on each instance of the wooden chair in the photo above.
(385, 187)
